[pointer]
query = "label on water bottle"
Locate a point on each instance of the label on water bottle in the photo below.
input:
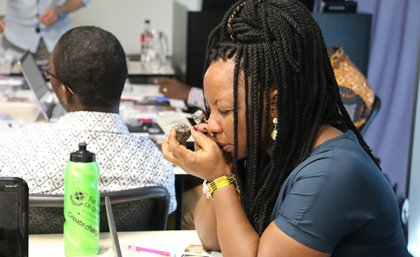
(83, 211)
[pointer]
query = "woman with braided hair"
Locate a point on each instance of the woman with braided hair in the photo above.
(286, 172)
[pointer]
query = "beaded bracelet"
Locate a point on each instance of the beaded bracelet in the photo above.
(220, 182)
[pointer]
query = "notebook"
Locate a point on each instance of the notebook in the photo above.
(44, 95)
(112, 228)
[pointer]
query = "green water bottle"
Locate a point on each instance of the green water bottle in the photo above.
(81, 204)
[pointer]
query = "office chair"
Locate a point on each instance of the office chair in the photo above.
(375, 109)
(356, 94)
(138, 209)
(358, 108)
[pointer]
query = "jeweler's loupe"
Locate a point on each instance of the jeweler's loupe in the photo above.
(199, 117)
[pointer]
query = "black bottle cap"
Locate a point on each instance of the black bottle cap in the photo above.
(82, 155)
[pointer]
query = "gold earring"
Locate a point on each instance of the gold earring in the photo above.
(274, 132)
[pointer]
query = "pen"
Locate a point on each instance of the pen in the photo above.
(148, 250)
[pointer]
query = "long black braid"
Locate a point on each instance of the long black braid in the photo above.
(277, 43)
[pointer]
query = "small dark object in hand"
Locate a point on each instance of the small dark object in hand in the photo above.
(183, 132)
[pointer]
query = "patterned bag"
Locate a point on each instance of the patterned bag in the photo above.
(355, 91)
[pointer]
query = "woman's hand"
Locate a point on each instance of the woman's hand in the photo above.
(206, 162)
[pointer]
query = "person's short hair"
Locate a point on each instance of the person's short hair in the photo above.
(93, 63)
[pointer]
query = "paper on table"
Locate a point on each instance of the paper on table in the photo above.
(11, 81)
(178, 104)
(196, 250)
(139, 92)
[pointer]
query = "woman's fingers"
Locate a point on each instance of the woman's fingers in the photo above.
(177, 153)
(203, 140)
(203, 162)
(180, 151)
(166, 151)
(202, 127)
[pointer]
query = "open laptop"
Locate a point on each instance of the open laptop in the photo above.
(45, 96)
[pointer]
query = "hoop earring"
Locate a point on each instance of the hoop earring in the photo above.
(274, 132)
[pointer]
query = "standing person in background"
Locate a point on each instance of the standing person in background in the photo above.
(286, 171)
(36, 24)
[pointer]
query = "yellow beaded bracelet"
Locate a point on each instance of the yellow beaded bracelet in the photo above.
(220, 182)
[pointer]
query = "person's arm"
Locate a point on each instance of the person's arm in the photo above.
(1, 25)
(229, 226)
(72, 5)
(173, 88)
(54, 13)
(205, 223)
(234, 229)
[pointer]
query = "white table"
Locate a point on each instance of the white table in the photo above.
(173, 241)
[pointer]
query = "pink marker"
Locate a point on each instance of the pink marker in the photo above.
(148, 250)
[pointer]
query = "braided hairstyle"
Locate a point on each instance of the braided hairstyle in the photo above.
(277, 43)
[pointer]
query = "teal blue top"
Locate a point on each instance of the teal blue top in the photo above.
(338, 201)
